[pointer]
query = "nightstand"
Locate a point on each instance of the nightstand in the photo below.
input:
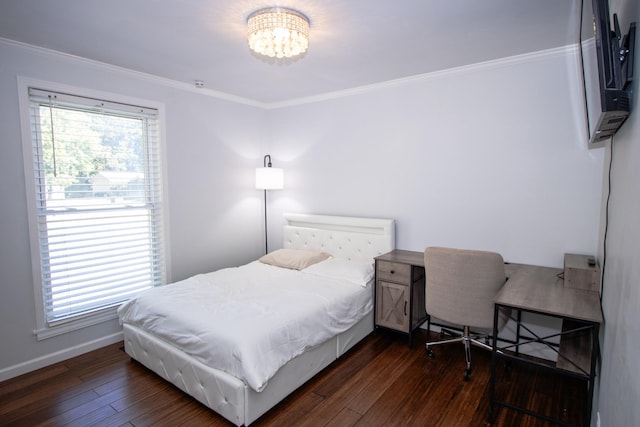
(399, 293)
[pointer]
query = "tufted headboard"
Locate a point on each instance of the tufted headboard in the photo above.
(342, 237)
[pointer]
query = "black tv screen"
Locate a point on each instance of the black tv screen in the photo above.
(606, 74)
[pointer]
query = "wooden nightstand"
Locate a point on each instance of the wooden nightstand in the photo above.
(399, 294)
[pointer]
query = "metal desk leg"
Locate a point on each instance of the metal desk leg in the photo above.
(595, 354)
(518, 323)
(492, 381)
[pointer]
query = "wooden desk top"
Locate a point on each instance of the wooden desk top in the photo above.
(539, 289)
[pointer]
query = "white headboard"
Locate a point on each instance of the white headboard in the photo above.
(341, 236)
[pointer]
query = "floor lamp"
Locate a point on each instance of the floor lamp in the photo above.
(268, 178)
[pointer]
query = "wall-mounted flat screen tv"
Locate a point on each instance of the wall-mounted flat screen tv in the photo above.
(607, 63)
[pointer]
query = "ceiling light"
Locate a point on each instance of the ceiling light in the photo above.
(278, 32)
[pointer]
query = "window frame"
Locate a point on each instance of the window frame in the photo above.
(43, 330)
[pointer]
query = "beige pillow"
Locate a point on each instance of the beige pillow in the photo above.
(295, 259)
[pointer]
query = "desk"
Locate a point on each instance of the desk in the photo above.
(539, 290)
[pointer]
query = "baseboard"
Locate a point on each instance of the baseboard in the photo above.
(59, 356)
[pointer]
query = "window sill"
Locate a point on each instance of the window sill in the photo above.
(66, 326)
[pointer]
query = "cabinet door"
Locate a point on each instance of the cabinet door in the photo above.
(392, 305)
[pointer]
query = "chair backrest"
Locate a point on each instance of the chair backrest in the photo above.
(461, 284)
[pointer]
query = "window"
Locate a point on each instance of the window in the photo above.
(97, 205)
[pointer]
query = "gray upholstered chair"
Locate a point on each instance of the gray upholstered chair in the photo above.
(459, 289)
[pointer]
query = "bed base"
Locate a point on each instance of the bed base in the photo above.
(344, 237)
(226, 394)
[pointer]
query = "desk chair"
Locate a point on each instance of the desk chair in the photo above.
(459, 289)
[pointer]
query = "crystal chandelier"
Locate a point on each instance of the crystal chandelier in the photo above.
(278, 32)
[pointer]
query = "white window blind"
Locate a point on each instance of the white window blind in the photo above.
(98, 200)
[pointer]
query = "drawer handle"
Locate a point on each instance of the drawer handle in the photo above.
(405, 308)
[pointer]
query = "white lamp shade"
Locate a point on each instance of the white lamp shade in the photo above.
(269, 178)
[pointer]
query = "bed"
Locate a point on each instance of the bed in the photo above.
(226, 374)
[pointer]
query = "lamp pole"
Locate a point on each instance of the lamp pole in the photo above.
(266, 240)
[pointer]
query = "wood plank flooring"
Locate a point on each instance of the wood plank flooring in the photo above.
(381, 382)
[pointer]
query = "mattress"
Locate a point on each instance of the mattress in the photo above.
(249, 321)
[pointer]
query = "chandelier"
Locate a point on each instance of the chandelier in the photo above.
(278, 32)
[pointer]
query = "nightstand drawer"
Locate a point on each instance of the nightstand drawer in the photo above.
(393, 271)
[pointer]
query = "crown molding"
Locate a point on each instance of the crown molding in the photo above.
(465, 69)
(138, 74)
(492, 64)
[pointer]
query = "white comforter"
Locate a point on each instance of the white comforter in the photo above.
(251, 320)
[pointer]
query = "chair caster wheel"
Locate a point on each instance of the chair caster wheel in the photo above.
(430, 353)
(467, 374)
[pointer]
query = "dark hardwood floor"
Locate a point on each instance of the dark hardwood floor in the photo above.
(379, 382)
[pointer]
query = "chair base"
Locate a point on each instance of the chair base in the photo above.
(465, 338)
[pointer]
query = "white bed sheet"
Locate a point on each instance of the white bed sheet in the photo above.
(249, 321)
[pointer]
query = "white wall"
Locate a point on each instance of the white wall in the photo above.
(212, 148)
(619, 380)
(491, 157)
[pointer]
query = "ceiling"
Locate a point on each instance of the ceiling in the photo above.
(352, 43)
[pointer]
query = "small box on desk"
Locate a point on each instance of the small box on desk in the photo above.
(580, 274)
